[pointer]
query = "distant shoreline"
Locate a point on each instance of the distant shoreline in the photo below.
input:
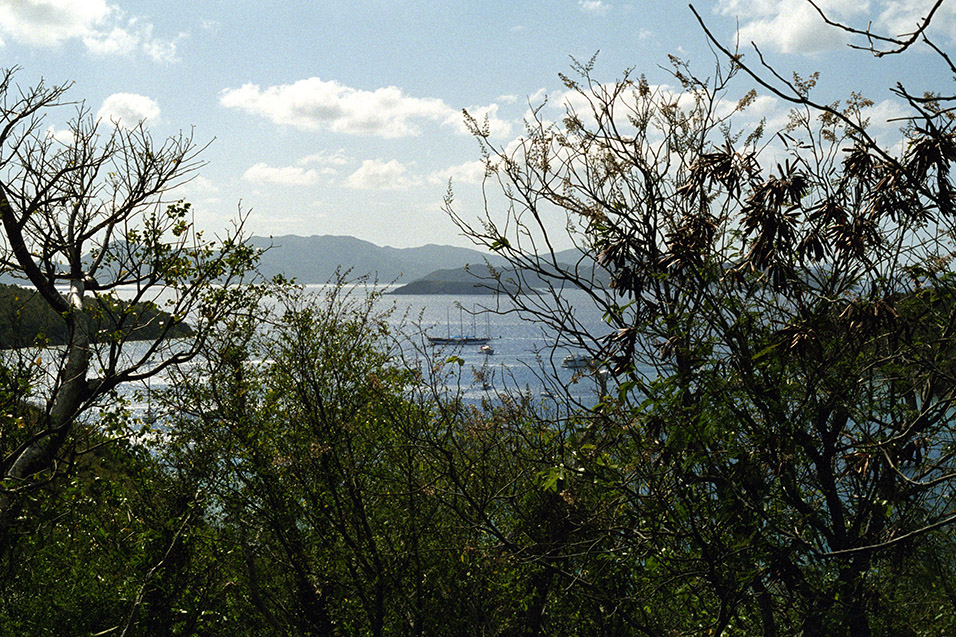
(443, 287)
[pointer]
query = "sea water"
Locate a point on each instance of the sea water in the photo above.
(525, 355)
(527, 352)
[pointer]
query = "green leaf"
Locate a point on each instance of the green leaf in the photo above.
(500, 244)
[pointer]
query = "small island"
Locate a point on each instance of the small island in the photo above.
(482, 279)
(27, 320)
(426, 286)
(464, 281)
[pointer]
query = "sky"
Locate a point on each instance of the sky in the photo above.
(344, 117)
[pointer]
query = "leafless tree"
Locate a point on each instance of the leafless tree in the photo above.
(84, 212)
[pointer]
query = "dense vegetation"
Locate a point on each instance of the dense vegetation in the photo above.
(773, 453)
(26, 320)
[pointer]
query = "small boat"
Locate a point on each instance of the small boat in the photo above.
(578, 361)
(487, 350)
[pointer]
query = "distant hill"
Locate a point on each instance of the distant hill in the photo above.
(476, 279)
(26, 320)
(315, 259)
(451, 281)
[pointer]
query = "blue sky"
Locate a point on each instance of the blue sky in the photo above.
(343, 116)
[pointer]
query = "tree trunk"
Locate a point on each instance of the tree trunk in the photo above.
(71, 391)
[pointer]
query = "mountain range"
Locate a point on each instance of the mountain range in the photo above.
(315, 259)
(429, 269)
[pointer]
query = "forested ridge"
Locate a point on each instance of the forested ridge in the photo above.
(771, 449)
(26, 320)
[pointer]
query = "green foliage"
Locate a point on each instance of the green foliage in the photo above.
(308, 464)
(359, 501)
(773, 454)
(120, 545)
(780, 434)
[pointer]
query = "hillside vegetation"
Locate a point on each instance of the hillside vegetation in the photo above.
(26, 320)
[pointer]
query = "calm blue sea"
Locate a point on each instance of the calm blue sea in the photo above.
(526, 356)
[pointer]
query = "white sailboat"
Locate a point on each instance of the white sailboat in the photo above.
(461, 338)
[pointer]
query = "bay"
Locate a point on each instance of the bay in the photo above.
(525, 360)
(526, 357)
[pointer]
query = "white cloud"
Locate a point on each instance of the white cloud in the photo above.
(64, 136)
(317, 104)
(50, 22)
(559, 104)
(128, 109)
(761, 107)
(887, 114)
(328, 162)
(103, 28)
(199, 190)
(794, 26)
(594, 6)
(284, 175)
(886, 118)
(472, 172)
(749, 7)
(116, 41)
(133, 36)
(900, 18)
(201, 184)
(326, 158)
(162, 50)
(790, 26)
(375, 174)
(538, 96)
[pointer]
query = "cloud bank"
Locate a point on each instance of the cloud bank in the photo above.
(316, 104)
(794, 26)
(103, 28)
